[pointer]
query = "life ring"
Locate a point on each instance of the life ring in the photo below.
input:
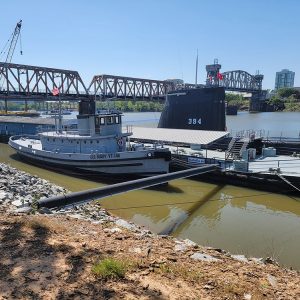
(120, 142)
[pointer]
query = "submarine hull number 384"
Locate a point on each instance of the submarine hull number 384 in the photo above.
(194, 121)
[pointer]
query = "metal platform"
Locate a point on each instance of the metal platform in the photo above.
(177, 136)
(27, 120)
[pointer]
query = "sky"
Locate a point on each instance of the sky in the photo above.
(156, 39)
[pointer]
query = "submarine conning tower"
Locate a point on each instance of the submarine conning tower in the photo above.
(196, 109)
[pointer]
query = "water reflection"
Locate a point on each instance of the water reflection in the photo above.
(188, 214)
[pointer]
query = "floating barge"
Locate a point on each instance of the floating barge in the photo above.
(239, 164)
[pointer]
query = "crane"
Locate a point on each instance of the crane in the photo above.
(13, 42)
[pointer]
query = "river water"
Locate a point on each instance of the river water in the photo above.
(240, 220)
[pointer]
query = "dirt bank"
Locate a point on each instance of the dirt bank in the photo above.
(51, 257)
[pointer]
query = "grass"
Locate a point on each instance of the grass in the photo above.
(42, 223)
(110, 268)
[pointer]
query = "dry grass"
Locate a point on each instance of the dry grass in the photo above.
(41, 223)
(180, 271)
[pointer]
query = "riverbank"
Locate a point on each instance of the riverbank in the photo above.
(54, 254)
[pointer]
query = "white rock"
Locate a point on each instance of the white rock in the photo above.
(203, 257)
(24, 209)
(257, 260)
(112, 230)
(180, 247)
(126, 225)
(241, 258)
(137, 250)
(272, 280)
(3, 195)
(17, 203)
(190, 243)
(247, 296)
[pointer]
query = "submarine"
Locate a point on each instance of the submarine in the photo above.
(196, 109)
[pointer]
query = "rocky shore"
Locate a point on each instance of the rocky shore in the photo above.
(52, 254)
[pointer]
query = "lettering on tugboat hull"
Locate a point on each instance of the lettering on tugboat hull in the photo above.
(104, 156)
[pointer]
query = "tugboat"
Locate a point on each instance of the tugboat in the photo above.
(98, 146)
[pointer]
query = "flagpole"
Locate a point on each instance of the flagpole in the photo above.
(196, 79)
(59, 116)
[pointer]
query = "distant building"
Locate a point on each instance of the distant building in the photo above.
(284, 78)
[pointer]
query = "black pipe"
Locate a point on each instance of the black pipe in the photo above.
(97, 193)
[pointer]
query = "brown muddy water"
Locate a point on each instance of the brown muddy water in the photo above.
(239, 220)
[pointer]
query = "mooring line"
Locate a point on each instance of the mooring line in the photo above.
(288, 182)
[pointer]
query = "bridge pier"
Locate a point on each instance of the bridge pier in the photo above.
(258, 102)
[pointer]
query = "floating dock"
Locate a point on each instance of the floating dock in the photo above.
(169, 136)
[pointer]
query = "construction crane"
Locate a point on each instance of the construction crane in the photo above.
(13, 42)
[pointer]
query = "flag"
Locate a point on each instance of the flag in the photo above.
(55, 91)
(219, 76)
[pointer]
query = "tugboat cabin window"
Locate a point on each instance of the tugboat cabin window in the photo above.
(117, 120)
(109, 120)
(97, 125)
(102, 121)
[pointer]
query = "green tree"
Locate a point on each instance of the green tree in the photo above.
(288, 92)
(235, 100)
(277, 102)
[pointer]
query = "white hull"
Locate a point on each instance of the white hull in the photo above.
(142, 163)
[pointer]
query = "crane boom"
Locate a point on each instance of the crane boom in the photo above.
(13, 42)
(12, 46)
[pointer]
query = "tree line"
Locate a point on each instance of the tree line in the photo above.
(286, 99)
(131, 106)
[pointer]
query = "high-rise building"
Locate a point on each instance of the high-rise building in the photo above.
(284, 78)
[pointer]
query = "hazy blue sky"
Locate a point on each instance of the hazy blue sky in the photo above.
(157, 39)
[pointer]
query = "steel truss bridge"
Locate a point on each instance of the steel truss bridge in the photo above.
(129, 88)
(35, 83)
(241, 81)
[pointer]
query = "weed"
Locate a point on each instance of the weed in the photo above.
(110, 268)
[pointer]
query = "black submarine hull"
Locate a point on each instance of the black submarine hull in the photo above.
(196, 109)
